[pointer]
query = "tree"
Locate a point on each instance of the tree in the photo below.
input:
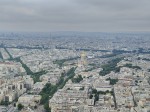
(46, 107)
(81, 88)
(14, 104)
(112, 81)
(20, 106)
(6, 103)
(77, 80)
(94, 91)
(91, 96)
(96, 97)
(110, 66)
(35, 107)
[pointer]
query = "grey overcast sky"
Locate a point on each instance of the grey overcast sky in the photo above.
(75, 15)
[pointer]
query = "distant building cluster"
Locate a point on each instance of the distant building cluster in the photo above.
(74, 73)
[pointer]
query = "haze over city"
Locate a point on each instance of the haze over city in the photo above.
(75, 15)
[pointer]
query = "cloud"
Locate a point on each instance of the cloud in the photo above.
(75, 15)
